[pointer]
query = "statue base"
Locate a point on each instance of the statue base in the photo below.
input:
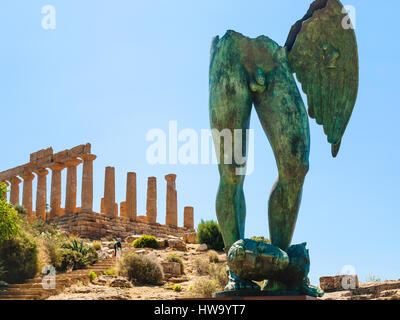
(260, 295)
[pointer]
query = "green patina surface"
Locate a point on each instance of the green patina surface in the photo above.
(258, 72)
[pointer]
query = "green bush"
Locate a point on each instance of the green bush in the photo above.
(142, 269)
(92, 275)
(20, 259)
(75, 255)
(20, 209)
(146, 242)
(208, 232)
(177, 288)
(262, 239)
(175, 258)
(109, 272)
(9, 221)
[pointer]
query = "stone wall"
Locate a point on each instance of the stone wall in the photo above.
(95, 226)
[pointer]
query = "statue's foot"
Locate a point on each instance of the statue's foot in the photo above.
(311, 291)
(235, 284)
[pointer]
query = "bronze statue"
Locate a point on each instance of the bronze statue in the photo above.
(243, 71)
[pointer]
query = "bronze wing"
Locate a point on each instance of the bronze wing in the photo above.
(322, 51)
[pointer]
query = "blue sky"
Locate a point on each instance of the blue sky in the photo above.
(113, 70)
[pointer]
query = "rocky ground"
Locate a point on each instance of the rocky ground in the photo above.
(106, 287)
(113, 287)
(388, 290)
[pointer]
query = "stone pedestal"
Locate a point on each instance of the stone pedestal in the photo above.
(70, 194)
(171, 218)
(14, 194)
(109, 192)
(151, 204)
(87, 182)
(27, 194)
(131, 202)
(41, 192)
(188, 217)
(55, 193)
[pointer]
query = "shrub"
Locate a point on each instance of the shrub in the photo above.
(201, 265)
(20, 209)
(262, 239)
(109, 272)
(92, 275)
(146, 242)
(175, 258)
(96, 245)
(76, 255)
(218, 272)
(208, 232)
(142, 269)
(213, 256)
(20, 259)
(205, 287)
(9, 221)
(177, 288)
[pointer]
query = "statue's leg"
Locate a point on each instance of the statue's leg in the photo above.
(284, 118)
(230, 107)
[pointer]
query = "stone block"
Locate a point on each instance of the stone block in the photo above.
(340, 282)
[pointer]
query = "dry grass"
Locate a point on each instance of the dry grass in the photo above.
(213, 256)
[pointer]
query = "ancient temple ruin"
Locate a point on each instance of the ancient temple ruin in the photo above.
(112, 221)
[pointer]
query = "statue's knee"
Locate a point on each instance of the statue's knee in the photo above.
(295, 169)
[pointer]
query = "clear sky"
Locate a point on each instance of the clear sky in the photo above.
(113, 70)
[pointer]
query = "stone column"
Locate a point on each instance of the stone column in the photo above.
(5, 194)
(55, 194)
(27, 194)
(87, 182)
(14, 194)
(109, 192)
(70, 194)
(151, 204)
(41, 193)
(171, 218)
(131, 204)
(188, 217)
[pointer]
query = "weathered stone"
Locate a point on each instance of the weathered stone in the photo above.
(41, 191)
(27, 194)
(202, 247)
(171, 218)
(171, 269)
(188, 217)
(70, 194)
(340, 282)
(121, 282)
(109, 192)
(87, 182)
(151, 204)
(177, 244)
(14, 193)
(55, 194)
(131, 201)
(190, 237)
